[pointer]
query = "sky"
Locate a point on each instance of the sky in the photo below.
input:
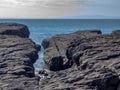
(59, 8)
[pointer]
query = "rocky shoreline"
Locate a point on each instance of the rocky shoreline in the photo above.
(17, 56)
(83, 60)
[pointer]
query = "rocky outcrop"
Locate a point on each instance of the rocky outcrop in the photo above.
(57, 52)
(84, 60)
(14, 29)
(17, 55)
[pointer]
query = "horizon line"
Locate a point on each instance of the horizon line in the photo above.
(59, 18)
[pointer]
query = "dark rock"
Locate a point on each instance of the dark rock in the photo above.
(89, 31)
(60, 47)
(14, 29)
(84, 60)
(17, 55)
(38, 47)
(116, 32)
(43, 72)
(55, 50)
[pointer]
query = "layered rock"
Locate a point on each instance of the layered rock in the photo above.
(17, 55)
(56, 48)
(84, 60)
(14, 29)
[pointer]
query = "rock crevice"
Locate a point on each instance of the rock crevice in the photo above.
(92, 60)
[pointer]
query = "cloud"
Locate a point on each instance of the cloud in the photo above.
(58, 8)
(44, 3)
(38, 8)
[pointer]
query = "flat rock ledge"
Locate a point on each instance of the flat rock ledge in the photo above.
(17, 55)
(84, 60)
(14, 29)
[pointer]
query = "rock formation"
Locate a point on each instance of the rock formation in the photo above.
(14, 29)
(17, 55)
(84, 60)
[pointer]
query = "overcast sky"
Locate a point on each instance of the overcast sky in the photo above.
(59, 8)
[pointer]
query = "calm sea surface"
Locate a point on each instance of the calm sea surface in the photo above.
(45, 28)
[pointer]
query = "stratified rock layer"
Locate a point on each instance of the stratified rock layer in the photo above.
(84, 60)
(17, 55)
(14, 29)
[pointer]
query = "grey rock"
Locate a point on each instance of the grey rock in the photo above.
(17, 56)
(14, 29)
(84, 60)
(38, 47)
(59, 45)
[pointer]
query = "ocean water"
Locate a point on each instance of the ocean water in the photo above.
(46, 28)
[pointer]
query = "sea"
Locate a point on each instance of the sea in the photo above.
(46, 28)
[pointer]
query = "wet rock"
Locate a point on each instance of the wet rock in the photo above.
(38, 47)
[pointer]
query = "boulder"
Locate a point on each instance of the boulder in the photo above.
(56, 48)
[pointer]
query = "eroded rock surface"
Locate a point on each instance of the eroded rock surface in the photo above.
(17, 55)
(14, 29)
(84, 60)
